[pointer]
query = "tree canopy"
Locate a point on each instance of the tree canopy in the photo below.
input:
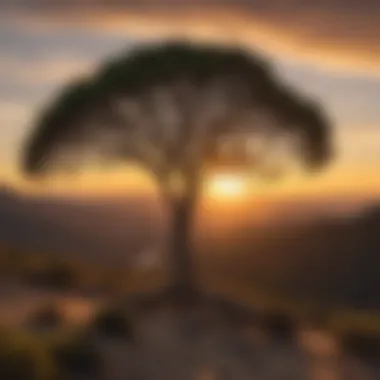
(177, 107)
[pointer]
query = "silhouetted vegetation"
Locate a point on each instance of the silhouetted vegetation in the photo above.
(47, 317)
(362, 344)
(57, 275)
(78, 356)
(174, 109)
(24, 357)
(279, 326)
(114, 323)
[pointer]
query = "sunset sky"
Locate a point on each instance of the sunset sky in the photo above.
(328, 48)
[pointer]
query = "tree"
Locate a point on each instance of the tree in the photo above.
(176, 109)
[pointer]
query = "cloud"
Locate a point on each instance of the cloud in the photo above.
(337, 33)
(47, 71)
(360, 144)
(11, 112)
(14, 118)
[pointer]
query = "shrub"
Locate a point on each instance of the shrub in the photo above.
(362, 345)
(48, 317)
(58, 275)
(278, 325)
(113, 323)
(22, 357)
(78, 355)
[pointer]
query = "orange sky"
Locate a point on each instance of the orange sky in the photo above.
(326, 48)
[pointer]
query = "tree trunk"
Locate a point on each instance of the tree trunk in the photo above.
(183, 283)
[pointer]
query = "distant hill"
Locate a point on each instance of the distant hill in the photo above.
(120, 226)
(113, 228)
(331, 259)
(318, 256)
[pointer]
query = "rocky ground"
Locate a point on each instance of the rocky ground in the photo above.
(204, 342)
(209, 339)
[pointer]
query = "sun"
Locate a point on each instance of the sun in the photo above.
(227, 185)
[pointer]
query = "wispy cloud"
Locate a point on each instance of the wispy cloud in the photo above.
(11, 112)
(14, 118)
(51, 71)
(360, 144)
(340, 33)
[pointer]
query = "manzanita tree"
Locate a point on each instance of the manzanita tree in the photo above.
(176, 109)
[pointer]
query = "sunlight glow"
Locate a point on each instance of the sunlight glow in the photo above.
(228, 185)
